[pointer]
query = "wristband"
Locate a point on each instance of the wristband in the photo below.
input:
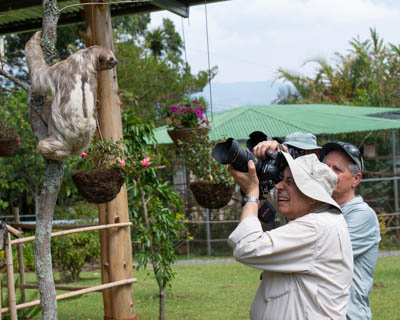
(246, 199)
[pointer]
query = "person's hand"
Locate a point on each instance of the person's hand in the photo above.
(270, 146)
(247, 181)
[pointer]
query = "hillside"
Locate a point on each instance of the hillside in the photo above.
(236, 94)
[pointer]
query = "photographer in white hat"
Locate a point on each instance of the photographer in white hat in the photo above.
(300, 143)
(307, 264)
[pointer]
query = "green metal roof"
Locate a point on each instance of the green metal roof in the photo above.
(280, 120)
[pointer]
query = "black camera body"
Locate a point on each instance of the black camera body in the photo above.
(269, 171)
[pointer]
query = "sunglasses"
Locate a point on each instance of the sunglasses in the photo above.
(353, 151)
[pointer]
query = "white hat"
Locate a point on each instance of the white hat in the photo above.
(313, 178)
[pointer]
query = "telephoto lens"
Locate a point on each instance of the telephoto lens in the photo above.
(229, 152)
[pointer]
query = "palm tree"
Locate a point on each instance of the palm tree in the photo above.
(368, 75)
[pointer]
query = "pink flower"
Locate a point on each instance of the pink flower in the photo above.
(83, 155)
(398, 236)
(122, 162)
(145, 162)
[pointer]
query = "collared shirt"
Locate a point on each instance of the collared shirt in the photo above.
(307, 266)
(364, 232)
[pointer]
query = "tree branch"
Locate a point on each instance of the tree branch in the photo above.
(18, 82)
(53, 176)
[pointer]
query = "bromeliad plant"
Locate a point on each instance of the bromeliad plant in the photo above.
(190, 114)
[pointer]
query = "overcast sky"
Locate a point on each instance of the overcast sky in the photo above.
(250, 39)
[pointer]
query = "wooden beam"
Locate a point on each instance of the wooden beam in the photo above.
(18, 4)
(75, 293)
(174, 6)
(21, 263)
(15, 232)
(65, 288)
(12, 300)
(116, 246)
(86, 229)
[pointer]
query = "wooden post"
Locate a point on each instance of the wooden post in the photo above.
(12, 301)
(21, 264)
(116, 246)
(1, 297)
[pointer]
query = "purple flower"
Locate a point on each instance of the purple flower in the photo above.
(199, 113)
(185, 110)
(173, 108)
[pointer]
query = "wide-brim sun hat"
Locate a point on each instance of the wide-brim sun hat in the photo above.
(302, 140)
(313, 178)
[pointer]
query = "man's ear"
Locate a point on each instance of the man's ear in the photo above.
(357, 179)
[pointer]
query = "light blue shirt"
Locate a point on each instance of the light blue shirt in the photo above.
(363, 226)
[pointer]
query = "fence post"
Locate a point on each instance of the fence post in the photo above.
(394, 161)
(208, 232)
(21, 264)
(1, 297)
(12, 301)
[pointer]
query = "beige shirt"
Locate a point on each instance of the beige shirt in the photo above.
(307, 266)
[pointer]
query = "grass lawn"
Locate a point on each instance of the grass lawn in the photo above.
(221, 291)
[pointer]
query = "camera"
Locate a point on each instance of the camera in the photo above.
(269, 171)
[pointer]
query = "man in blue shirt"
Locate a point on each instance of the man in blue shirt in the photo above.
(346, 161)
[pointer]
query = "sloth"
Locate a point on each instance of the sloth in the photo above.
(72, 83)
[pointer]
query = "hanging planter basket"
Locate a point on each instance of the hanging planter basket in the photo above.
(99, 185)
(211, 195)
(7, 146)
(185, 134)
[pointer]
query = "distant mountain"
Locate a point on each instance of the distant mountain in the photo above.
(231, 95)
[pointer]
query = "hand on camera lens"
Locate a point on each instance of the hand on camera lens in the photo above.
(269, 146)
(247, 181)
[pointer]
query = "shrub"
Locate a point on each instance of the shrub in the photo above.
(83, 210)
(28, 252)
(71, 253)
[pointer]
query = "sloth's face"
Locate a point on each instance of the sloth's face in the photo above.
(107, 61)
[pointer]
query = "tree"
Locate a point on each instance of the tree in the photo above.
(155, 208)
(368, 76)
(53, 174)
(161, 76)
(163, 79)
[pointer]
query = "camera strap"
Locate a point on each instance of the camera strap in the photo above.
(266, 213)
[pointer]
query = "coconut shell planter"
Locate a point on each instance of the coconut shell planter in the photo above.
(99, 185)
(210, 195)
(185, 134)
